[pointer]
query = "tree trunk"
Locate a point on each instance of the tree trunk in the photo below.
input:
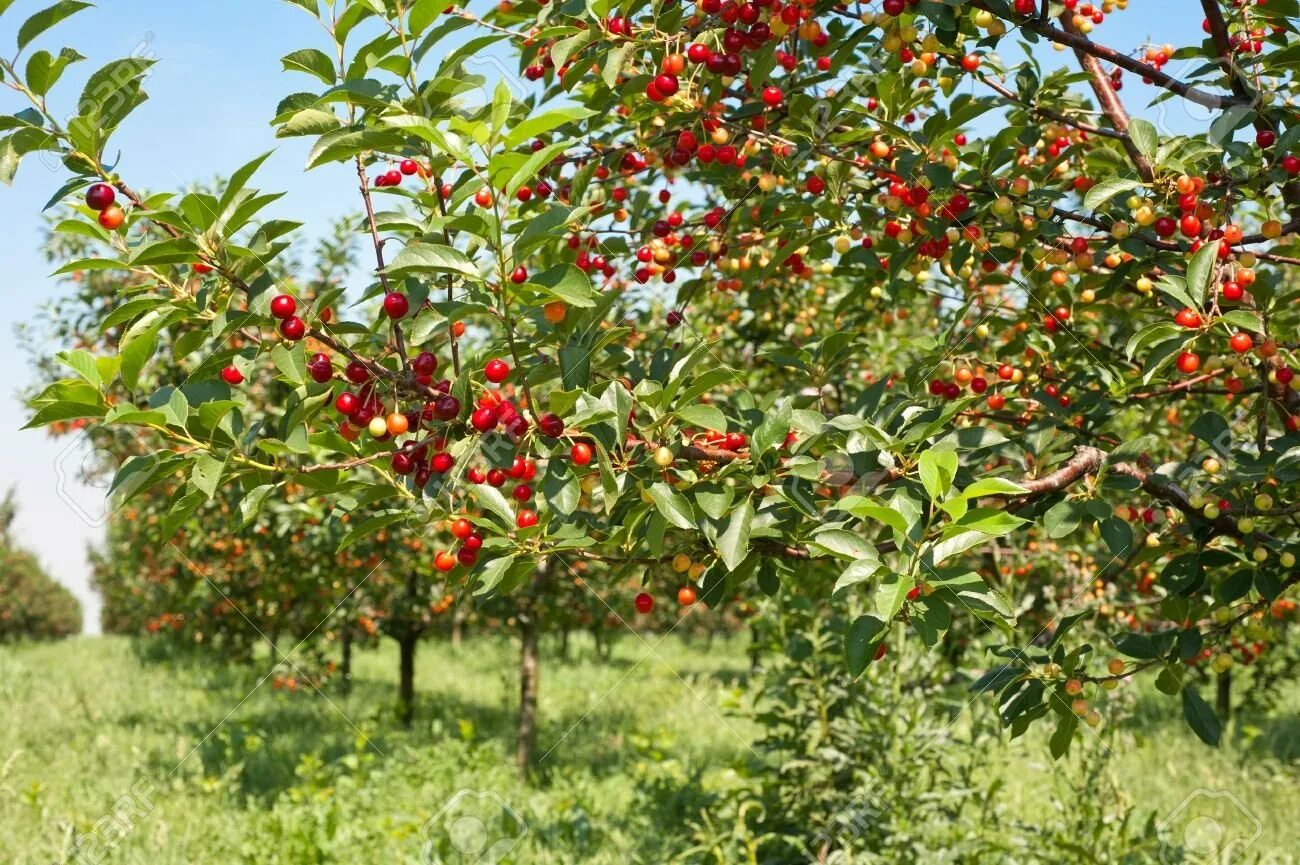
(345, 668)
(564, 644)
(1223, 698)
(457, 626)
(529, 671)
(406, 678)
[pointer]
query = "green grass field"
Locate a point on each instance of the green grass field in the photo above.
(205, 771)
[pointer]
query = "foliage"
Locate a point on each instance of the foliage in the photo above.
(895, 346)
(33, 605)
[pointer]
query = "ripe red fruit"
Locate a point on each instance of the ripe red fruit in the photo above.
(293, 328)
(1241, 343)
(442, 462)
(697, 53)
(474, 541)
(997, 401)
(666, 84)
(283, 306)
(112, 217)
(467, 557)
(347, 403)
(484, 419)
(1291, 165)
(816, 185)
(686, 595)
(446, 407)
(772, 96)
(522, 492)
(1187, 317)
(99, 196)
(444, 561)
(483, 197)
(396, 305)
(1266, 138)
(320, 368)
(1188, 362)
(231, 375)
(393, 177)
(1233, 291)
(970, 62)
(424, 364)
(1190, 226)
(461, 529)
(402, 463)
(1165, 227)
(409, 167)
(580, 454)
(551, 425)
(644, 603)
(526, 519)
(496, 371)
(519, 275)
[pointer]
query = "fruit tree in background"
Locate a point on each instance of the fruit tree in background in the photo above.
(741, 285)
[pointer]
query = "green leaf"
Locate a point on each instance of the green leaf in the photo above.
(1201, 718)
(44, 69)
(567, 283)
(1060, 741)
(993, 487)
(47, 18)
(1200, 271)
(672, 505)
(704, 417)
(432, 258)
(492, 574)
(1108, 189)
(370, 526)
(1145, 137)
(207, 472)
(860, 642)
(937, 468)
(251, 503)
(892, 594)
(846, 544)
(542, 123)
(733, 545)
(312, 61)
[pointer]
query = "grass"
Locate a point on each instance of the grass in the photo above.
(206, 765)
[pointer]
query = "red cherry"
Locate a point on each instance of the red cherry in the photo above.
(580, 453)
(484, 419)
(1266, 138)
(402, 463)
(231, 375)
(442, 462)
(462, 529)
(522, 492)
(496, 371)
(519, 275)
(396, 305)
(816, 185)
(1190, 226)
(446, 407)
(320, 368)
(772, 96)
(347, 403)
(409, 167)
(112, 217)
(643, 602)
(1241, 343)
(1188, 362)
(283, 306)
(467, 557)
(686, 596)
(100, 196)
(424, 363)
(292, 328)
(666, 84)
(393, 177)
(526, 519)
(551, 425)
(1165, 227)
(444, 561)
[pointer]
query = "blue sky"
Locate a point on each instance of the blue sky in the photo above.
(213, 91)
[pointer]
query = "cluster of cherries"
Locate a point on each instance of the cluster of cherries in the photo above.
(101, 197)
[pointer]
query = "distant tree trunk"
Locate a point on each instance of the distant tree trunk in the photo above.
(564, 644)
(457, 626)
(755, 648)
(1224, 696)
(345, 668)
(406, 677)
(529, 672)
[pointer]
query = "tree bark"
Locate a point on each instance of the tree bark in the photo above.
(529, 673)
(457, 626)
(406, 677)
